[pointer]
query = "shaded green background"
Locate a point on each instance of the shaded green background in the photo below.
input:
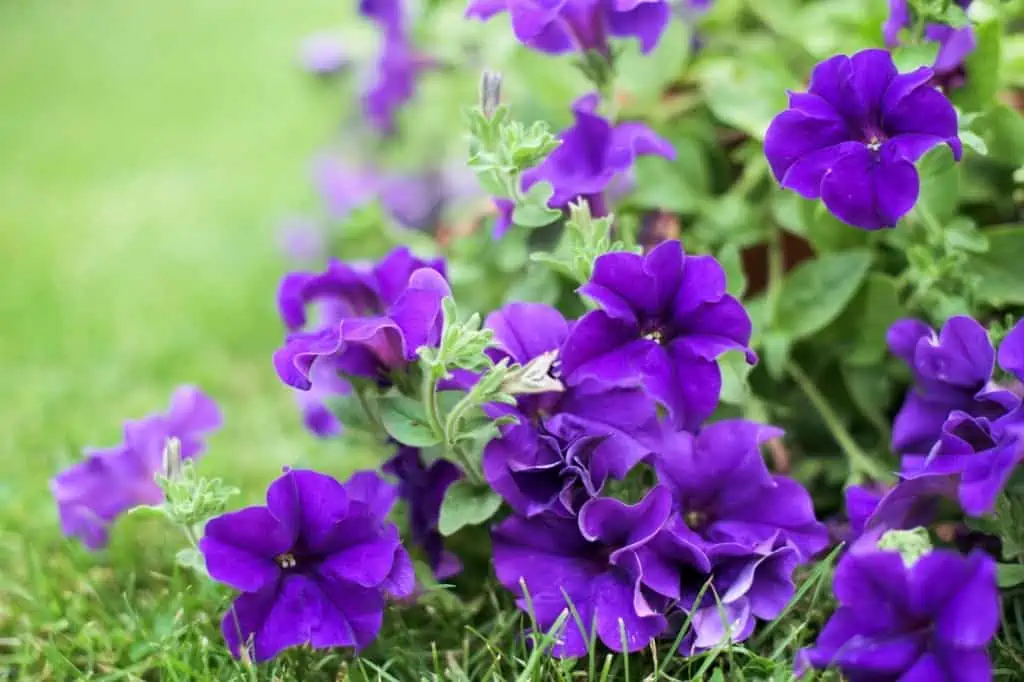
(148, 152)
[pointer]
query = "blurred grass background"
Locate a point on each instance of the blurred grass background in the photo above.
(147, 154)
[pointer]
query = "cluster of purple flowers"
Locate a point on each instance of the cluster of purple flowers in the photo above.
(960, 428)
(91, 494)
(716, 515)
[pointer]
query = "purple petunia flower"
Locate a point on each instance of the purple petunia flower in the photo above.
(749, 584)
(558, 26)
(398, 69)
(423, 490)
(853, 138)
(567, 443)
(929, 621)
(91, 494)
(665, 319)
(593, 563)
(592, 153)
(955, 44)
(980, 453)
(952, 371)
(724, 493)
(503, 219)
(344, 187)
(389, 15)
(314, 565)
(376, 318)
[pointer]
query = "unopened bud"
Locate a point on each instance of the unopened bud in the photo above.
(490, 92)
(172, 459)
(533, 377)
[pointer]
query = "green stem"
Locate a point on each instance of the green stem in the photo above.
(776, 268)
(428, 396)
(372, 414)
(860, 462)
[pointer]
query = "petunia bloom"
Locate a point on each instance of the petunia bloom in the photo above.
(313, 566)
(724, 492)
(377, 318)
(91, 494)
(853, 138)
(665, 318)
(952, 370)
(592, 564)
(559, 26)
(592, 154)
(980, 454)
(955, 44)
(392, 84)
(423, 489)
(749, 584)
(566, 444)
(929, 621)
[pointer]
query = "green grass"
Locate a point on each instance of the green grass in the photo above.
(148, 152)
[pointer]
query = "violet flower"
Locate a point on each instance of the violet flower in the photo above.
(593, 563)
(853, 138)
(952, 370)
(92, 493)
(724, 493)
(929, 621)
(423, 490)
(750, 584)
(389, 15)
(344, 187)
(979, 453)
(378, 318)
(567, 443)
(665, 319)
(559, 26)
(592, 153)
(313, 566)
(393, 83)
(955, 44)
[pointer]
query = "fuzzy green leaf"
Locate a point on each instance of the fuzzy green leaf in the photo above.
(466, 505)
(998, 270)
(406, 421)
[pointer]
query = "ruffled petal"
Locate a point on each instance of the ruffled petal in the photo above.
(240, 548)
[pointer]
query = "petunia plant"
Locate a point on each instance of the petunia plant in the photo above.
(715, 370)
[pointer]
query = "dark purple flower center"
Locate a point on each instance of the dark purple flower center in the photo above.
(874, 138)
(587, 24)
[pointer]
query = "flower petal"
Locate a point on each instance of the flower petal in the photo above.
(241, 547)
(871, 193)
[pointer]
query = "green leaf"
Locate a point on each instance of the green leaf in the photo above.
(1010, 575)
(870, 390)
(940, 182)
(645, 77)
(662, 184)
(405, 420)
(746, 93)
(776, 349)
(817, 292)
(735, 369)
(732, 263)
(534, 211)
(827, 233)
(1002, 128)
(466, 505)
(913, 56)
(861, 328)
(998, 270)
